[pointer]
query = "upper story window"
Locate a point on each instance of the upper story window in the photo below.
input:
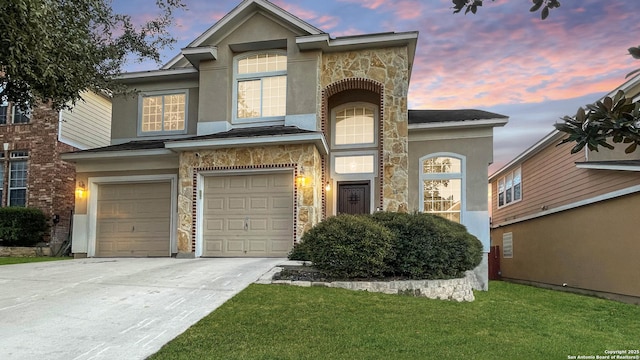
(442, 185)
(354, 125)
(260, 86)
(510, 188)
(163, 113)
(11, 114)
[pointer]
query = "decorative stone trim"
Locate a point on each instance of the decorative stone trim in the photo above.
(356, 84)
(459, 290)
(197, 170)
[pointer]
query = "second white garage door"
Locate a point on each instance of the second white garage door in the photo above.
(248, 215)
(133, 220)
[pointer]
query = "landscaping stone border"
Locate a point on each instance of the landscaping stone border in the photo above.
(460, 289)
(19, 251)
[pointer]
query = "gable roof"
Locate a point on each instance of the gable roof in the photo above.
(244, 9)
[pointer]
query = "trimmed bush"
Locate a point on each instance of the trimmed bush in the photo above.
(22, 226)
(426, 246)
(299, 252)
(348, 246)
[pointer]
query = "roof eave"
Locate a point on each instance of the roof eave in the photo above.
(600, 166)
(498, 122)
(286, 139)
(103, 155)
(552, 137)
(157, 75)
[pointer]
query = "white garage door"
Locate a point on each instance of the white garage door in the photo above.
(248, 215)
(133, 220)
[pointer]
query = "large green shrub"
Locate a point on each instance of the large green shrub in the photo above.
(299, 252)
(22, 226)
(348, 246)
(426, 246)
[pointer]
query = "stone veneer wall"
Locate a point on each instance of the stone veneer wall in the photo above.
(304, 157)
(390, 67)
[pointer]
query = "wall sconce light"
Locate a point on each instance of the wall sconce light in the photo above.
(301, 180)
(328, 187)
(80, 190)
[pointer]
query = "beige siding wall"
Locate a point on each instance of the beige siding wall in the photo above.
(88, 124)
(593, 247)
(550, 179)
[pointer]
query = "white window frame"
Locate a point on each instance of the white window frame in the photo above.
(462, 175)
(256, 76)
(509, 190)
(19, 157)
(14, 110)
(145, 94)
(336, 109)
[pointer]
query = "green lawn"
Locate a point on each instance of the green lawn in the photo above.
(21, 260)
(508, 322)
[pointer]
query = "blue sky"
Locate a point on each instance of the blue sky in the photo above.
(504, 59)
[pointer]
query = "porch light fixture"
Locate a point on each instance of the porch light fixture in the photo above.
(80, 190)
(328, 187)
(301, 180)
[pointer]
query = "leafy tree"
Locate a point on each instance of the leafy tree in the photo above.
(52, 50)
(472, 6)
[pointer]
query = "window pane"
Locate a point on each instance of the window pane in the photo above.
(174, 106)
(354, 164)
(442, 165)
(18, 183)
(249, 99)
(517, 186)
(260, 63)
(508, 187)
(274, 95)
(443, 198)
(21, 117)
(3, 114)
(152, 113)
(355, 125)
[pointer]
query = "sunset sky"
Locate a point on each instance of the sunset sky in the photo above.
(503, 59)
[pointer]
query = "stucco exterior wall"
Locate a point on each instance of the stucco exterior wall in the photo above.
(390, 67)
(304, 157)
(592, 248)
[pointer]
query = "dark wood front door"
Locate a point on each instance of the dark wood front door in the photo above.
(354, 197)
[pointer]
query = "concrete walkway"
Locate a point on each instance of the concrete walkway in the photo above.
(112, 308)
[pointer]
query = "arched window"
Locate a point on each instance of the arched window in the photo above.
(260, 86)
(442, 185)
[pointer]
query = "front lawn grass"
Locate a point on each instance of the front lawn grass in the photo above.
(21, 260)
(508, 322)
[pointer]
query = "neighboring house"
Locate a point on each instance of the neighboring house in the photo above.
(32, 173)
(262, 127)
(568, 220)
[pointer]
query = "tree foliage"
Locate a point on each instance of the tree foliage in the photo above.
(544, 6)
(52, 50)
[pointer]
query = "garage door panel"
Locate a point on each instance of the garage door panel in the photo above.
(133, 219)
(257, 215)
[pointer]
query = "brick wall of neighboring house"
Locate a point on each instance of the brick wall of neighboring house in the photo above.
(50, 181)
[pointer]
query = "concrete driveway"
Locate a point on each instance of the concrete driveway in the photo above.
(112, 308)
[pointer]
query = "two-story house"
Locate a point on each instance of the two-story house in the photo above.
(565, 220)
(263, 126)
(31, 171)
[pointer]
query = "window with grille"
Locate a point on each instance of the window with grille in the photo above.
(163, 113)
(260, 86)
(442, 185)
(510, 188)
